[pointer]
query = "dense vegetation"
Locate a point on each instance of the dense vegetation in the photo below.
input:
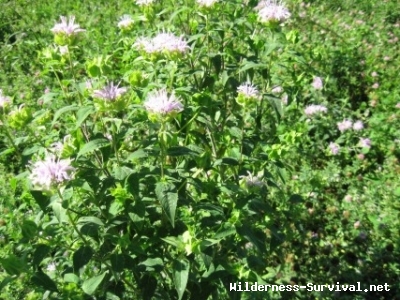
(171, 148)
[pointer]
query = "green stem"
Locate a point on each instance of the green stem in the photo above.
(6, 131)
(162, 149)
(71, 220)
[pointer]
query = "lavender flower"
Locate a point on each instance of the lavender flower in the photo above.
(365, 142)
(110, 92)
(144, 2)
(248, 90)
(334, 148)
(277, 90)
(315, 109)
(51, 267)
(358, 125)
(163, 42)
(68, 28)
(317, 83)
(251, 181)
(125, 22)
(344, 125)
(272, 11)
(4, 100)
(51, 172)
(206, 3)
(159, 103)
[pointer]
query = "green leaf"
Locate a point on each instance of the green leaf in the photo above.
(43, 280)
(41, 199)
(181, 275)
(13, 265)
(174, 241)
(95, 220)
(117, 262)
(71, 277)
(153, 264)
(82, 114)
(40, 253)
(90, 285)
(64, 110)
(59, 212)
(257, 238)
(140, 153)
(81, 257)
(179, 151)
(93, 145)
(226, 229)
(6, 281)
(29, 229)
(168, 199)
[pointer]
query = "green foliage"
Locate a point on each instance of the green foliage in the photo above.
(224, 185)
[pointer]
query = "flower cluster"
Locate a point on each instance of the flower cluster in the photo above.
(51, 172)
(365, 142)
(348, 124)
(272, 12)
(251, 182)
(247, 93)
(344, 125)
(334, 148)
(161, 105)
(162, 43)
(317, 83)
(4, 100)
(66, 31)
(315, 109)
(206, 3)
(144, 2)
(125, 22)
(110, 92)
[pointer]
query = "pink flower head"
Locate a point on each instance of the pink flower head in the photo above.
(272, 10)
(334, 148)
(162, 42)
(110, 92)
(51, 172)
(67, 27)
(4, 100)
(159, 103)
(344, 125)
(277, 90)
(317, 83)
(248, 90)
(315, 109)
(365, 142)
(358, 125)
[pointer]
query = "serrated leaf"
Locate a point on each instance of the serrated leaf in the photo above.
(181, 275)
(168, 199)
(90, 285)
(93, 145)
